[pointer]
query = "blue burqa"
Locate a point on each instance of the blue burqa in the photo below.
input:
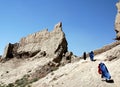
(105, 72)
(91, 54)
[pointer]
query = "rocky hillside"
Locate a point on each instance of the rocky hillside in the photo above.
(42, 60)
(84, 72)
(33, 57)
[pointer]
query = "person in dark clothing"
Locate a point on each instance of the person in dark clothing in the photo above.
(84, 55)
(102, 69)
(91, 54)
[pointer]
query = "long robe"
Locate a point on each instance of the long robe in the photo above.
(105, 72)
(91, 54)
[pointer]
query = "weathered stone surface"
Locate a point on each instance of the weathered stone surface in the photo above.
(47, 43)
(7, 50)
(50, 42)
(10, 51)
(117, 22)
(0, 58)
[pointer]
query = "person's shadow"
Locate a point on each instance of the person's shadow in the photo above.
(94, 60)
(110, 81)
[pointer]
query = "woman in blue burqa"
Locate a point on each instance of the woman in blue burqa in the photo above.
(91, 54)
(102, 69)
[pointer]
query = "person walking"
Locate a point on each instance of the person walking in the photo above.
(91, 54)
(84, 55)
(102, 69)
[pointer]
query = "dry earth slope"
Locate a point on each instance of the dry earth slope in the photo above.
(84, 73)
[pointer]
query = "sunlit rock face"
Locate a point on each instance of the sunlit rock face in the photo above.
(117, 22)
(50, 43)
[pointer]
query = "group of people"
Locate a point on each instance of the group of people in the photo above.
(91, 55)
(102, 69)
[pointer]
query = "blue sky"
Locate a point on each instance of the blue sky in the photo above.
(88, 24)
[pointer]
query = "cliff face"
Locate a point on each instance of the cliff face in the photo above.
(51, 43)
(117, 22)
